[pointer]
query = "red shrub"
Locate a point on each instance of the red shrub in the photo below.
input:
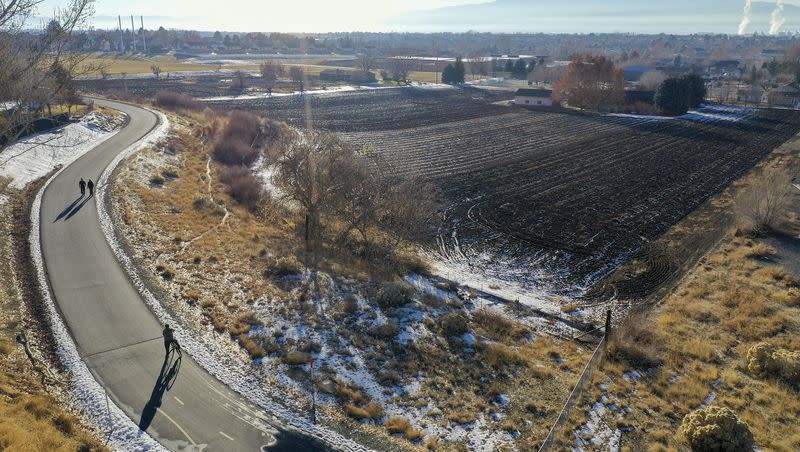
(245, 187)
(234, 151)
(242, 125)
(177, 101)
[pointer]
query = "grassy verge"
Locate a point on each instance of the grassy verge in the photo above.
(696, 348)
(30, 416)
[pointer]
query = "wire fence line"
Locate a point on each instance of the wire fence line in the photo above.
(577, 391)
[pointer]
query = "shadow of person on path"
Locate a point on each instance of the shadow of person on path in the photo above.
(166, 378)
(77, 208)
(69, 208)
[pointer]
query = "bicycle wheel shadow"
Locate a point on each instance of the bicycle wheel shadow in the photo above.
(166, 378)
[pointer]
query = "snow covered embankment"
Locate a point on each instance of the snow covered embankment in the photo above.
(207, 353)
(105, 417)
(36, 155)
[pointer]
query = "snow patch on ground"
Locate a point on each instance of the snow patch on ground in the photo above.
(332, 90)
(205, 349)
(36, 155)
(106, 418)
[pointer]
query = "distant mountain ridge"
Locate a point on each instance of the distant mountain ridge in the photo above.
(586, 16)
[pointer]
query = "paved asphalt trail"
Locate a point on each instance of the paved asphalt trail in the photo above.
(174, 400)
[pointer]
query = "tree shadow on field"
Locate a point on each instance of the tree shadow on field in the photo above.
(164, 382)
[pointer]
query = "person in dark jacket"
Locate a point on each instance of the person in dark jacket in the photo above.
(82, 186)
(169, 338)
(90, 186)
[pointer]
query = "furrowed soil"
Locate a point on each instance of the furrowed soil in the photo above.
(563, 197)
(692, 348)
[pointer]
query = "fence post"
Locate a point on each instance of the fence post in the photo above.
(608, 326)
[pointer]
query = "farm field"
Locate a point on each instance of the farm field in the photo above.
(375, 110)
(562, 198)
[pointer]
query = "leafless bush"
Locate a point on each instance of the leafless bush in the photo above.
(177, 101)
(234, 152)
(245, 187)
(635, 343)
(761, 207)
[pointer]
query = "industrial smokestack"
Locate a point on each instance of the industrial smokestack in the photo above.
(746, 17)
(144, 35)
(121, 44)
(133, 33)
(777, 19)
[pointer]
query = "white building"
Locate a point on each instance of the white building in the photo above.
(534, 98)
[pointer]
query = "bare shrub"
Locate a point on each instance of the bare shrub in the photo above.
(761, 207)
(498, 327)
(287, 266)
(234, 151)
(453, 324)
(716, 429)
(395, 295)
(244, 186)
(177, 101)
(236, 146)
(635, 343)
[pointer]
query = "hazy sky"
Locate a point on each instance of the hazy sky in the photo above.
(304, 15)
(257, 15)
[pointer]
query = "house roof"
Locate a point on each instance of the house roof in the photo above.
(534, 92)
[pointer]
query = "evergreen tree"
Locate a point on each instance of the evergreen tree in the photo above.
(449, 75)
(509, 66)
(459, 71)
(520, 70)
(672, 97)
(695, 89)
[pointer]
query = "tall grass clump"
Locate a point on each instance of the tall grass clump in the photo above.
(761, 207)
(236, 146)
(245, 187)
(177, 101)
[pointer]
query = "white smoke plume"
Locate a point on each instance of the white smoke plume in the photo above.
(746, 17)
(777, 20)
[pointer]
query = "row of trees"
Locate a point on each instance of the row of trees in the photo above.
(676, 96)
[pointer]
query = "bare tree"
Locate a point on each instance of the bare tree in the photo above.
(762, 206)
(238, 84)
(37, 71)
(156, 70)
(365, 62)
(298, 75)
(399, 69)
(270, 73)
(305, 173)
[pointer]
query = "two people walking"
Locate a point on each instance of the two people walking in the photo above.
(83, 185)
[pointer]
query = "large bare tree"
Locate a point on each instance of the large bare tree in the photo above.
(37, 69)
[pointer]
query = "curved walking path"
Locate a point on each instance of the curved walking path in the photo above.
(172, 398)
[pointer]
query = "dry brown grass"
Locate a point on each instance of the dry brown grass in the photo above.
(31, 420)
(703, 337)
(731, 301)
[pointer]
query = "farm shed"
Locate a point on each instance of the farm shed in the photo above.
(534, 97)
(784, 96)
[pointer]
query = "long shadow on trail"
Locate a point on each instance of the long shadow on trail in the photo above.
(166, 378)
(69, 208)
